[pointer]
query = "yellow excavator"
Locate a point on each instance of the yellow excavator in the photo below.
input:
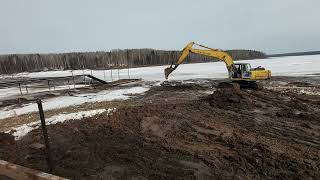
(240, 74)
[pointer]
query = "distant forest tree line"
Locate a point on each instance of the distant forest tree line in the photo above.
(16, 63)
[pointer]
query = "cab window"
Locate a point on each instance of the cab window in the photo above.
(246, 68)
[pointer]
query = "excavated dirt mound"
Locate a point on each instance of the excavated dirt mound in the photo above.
(226, 135)
(230, 98)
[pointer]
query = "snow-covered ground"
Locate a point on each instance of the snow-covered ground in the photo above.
(24, 129)
(280, 66)
(66, 101)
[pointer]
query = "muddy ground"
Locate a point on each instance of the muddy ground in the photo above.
(189, 131)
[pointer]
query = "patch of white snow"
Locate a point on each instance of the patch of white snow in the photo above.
(24, 129)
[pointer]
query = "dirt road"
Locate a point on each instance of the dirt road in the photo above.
(189, 131)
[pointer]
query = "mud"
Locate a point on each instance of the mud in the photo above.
(186, 133)
(231, 99)
(8, 147)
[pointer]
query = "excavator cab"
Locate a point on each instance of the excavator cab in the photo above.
(241, 70)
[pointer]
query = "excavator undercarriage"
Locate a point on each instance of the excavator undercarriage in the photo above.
(237, 85)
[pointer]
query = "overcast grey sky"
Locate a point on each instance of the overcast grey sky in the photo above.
(43, 26)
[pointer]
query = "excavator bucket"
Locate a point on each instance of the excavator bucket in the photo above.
(168, 71)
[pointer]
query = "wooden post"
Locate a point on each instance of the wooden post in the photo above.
(118, 74)
(54, 85)
(69, 84)
(45, 136)
(20, 89)
(26, 88)
(84, 79)
(111, 74)
(128, 72)
(49, 84)
(91, 75)
(74, 82)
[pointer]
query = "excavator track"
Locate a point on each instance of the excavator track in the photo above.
(257, 86)
(250, 85)
(237, 85)
(229, 85)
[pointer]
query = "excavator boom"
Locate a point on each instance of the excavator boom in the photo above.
(215, 53)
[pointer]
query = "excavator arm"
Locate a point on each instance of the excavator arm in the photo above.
(215, 53)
